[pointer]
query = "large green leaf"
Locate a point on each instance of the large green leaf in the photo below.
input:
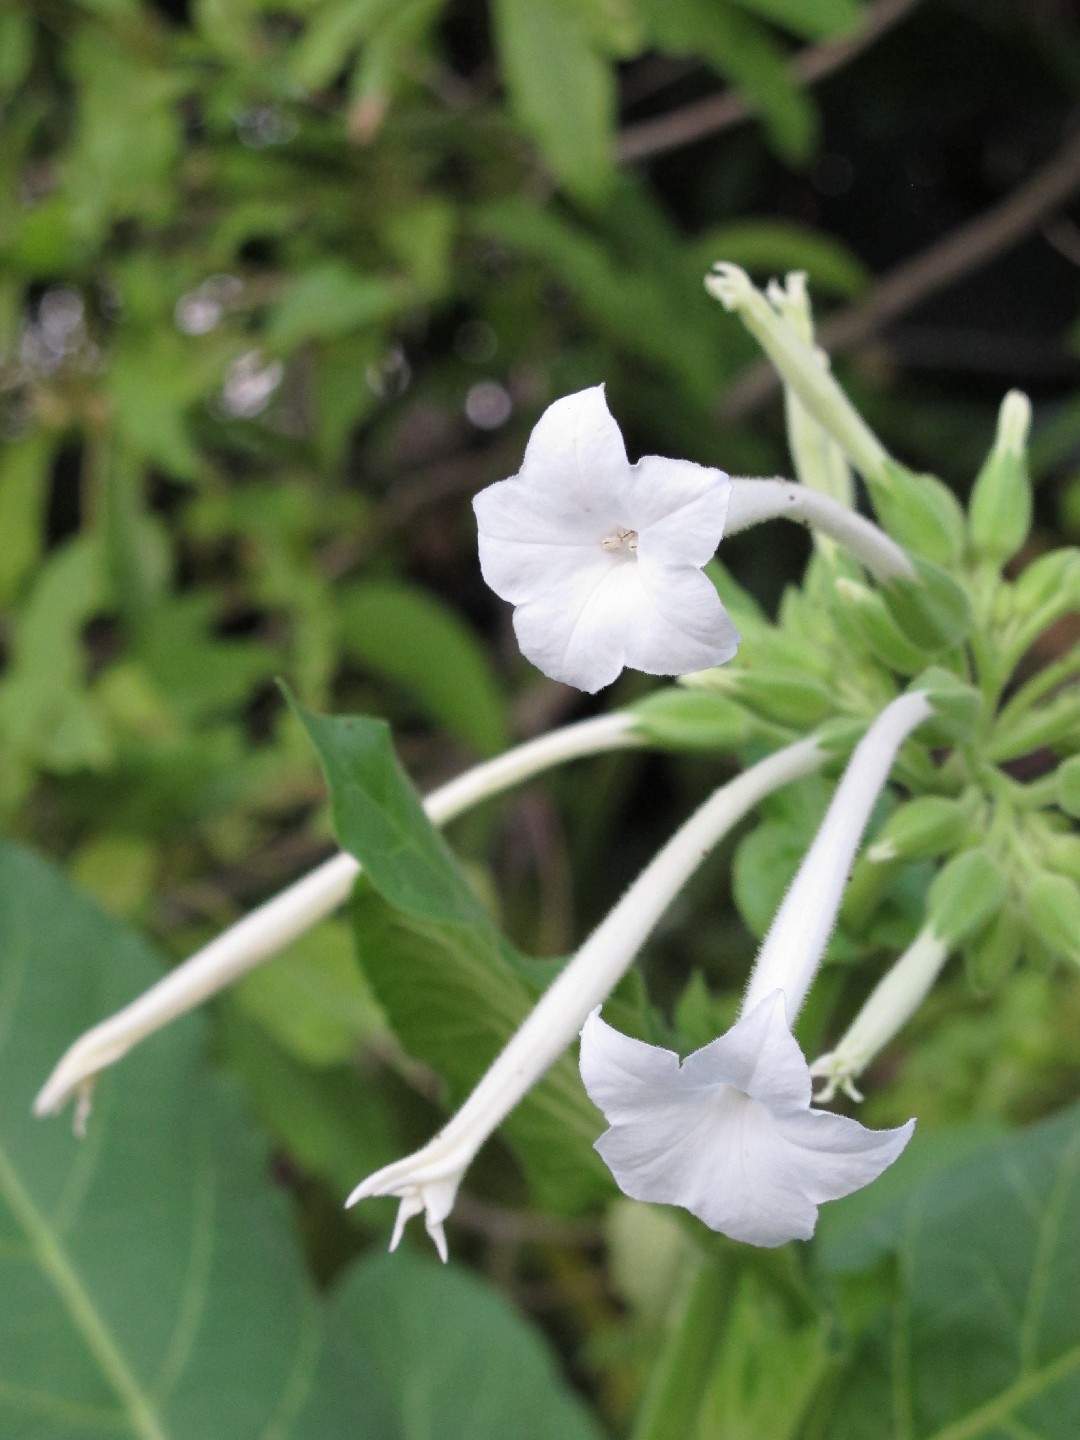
(150, 1285)
(462, 1364)
(983, 1340)
(452, 987)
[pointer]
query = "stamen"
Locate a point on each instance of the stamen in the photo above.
(621, 540)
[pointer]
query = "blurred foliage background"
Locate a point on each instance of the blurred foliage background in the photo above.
(283, 282)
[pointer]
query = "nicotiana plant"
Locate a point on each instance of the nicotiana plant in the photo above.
(901, 663)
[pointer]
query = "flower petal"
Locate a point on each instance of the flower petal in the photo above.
(835, 1155)
(729, 1134)
(716, 1153)
(684, 628)
(576, 454)
(678, 509)
(520, 569)
(759, 1055)
(622, 1075)
(580, 633)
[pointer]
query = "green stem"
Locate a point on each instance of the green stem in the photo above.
(678, 1382)
(1041, 684)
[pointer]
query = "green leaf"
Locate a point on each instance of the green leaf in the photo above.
(984, 1337)
(333, 1123)
(768, 1368)
(461, 1363)
(328, 301)
(454, 998)
(451, 986)
(561, 89)
(815, 19)
(24, 483)
(313, 999)
(744, 51)
(151, 1284)
(44, 710)
(405, 634)
(379, 819)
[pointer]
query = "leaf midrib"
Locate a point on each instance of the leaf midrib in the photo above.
(92, 1328)
(1026, 1388)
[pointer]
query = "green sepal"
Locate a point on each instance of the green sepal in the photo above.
(919, 511)
(957, 706)
(1067, 787)
(1052, 724)
(788, 698)
(1052, 911)
(999, 511)
(965, 895)
(684, 719)
(1048, 587)
(1062, 853)
(839, 736)
(923, 829)
(991, 956)
(931, 609)
(869, 617)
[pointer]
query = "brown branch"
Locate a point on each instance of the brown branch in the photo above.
(961, 251)
(721, 112)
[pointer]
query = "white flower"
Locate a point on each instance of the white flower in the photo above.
(427, 1182)
(729, 1133)
(602, 558)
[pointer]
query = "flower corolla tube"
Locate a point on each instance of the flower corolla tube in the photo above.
(729, 1133)
(602, 559)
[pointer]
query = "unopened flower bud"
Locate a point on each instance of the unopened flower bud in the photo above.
(789, 697)
(691, 719)
(991, 956)
(966, 893)
(1051, 724)
(1052, 911)
(1068, 786)
(868, 616)
(924, 828)
(1062, 853)
(999, 512)
(957, 706)
(919, 511)
(1048, 583)
(931, 609)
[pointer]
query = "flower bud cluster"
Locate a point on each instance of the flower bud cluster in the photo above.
(996, 858)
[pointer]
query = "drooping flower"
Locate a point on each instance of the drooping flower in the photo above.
(602, 559)
(729, 1134)
(427, 1182)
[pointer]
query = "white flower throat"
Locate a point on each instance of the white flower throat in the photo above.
(621, 541)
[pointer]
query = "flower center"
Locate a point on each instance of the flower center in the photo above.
(620, 541)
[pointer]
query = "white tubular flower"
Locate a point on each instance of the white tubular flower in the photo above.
(602, 559)
(427, 1182)
(729, 1134)
(267, 931)
(889, 1007)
